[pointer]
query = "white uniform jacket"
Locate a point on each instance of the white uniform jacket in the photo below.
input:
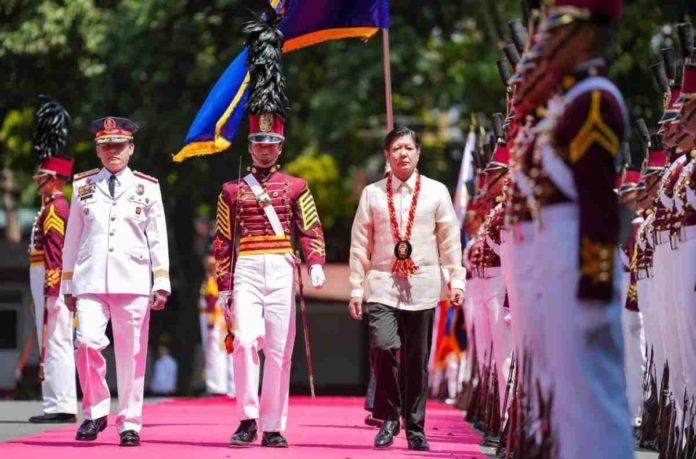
(116, 245)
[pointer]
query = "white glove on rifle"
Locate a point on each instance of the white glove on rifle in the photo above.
(316, 275)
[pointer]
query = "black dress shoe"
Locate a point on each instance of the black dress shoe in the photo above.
(130, 438)
(273, 440)
(90, 428)
(385, 436)
(418, 443)
(53, 418)
(373, 421)
(245, 433)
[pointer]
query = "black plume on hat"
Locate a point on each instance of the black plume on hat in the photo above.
(511, 54)
(518, 34)
(51, 128)
(669, 57)
(264, 40)
(504, 71)
(498, 123)
(686, 38)
(660, 77)
(626, 152)
(656, 141)
(643, 133)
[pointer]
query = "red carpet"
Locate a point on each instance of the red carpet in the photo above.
(327, 427)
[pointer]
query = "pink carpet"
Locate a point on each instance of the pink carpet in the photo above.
(327, 427)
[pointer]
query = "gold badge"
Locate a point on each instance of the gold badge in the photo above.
(266, 122)
(109, 124)
(138, 210)
(140, 189)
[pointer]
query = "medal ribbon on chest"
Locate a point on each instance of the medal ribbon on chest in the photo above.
(403, 265)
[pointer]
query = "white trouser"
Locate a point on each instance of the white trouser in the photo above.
(523, 274)
(482, 326)
(634, 352)
(58, 386)
(264, 314)
(665, 271)
(649, 309)
(130, 322)
(685, 262)
(499, 317)
(219, 375)
(589, 405)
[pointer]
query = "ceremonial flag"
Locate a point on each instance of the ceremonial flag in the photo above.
(466, 173)
(305, 23)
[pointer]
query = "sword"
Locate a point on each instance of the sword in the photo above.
(44, 332)
(305, 326)
(229, 338)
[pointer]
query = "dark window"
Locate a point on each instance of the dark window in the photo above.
(8, 329)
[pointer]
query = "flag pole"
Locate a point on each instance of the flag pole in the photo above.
(387, 78)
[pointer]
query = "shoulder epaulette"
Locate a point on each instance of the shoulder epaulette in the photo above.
(82, 175)
(145, 176)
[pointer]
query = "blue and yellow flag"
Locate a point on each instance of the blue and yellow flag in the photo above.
(305, 23)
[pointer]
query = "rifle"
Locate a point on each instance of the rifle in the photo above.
(471, 408)
(485, 394)
(505, 422)
(305, 326)
(229, 338)
(665, 409)
(44, 332)
(651, 407)
(513, 409)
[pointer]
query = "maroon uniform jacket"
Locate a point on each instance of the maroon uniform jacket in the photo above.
(237, 205)
(48, 238)
(588, 136)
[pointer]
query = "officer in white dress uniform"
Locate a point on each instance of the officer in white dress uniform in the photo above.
(115, 266)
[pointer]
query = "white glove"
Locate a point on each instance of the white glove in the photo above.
(316, 275)
(222, 303)
(223, 299)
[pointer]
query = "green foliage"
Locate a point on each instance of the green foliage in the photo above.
(323, 178)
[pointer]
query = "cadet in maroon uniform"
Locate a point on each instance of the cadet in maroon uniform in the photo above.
(580, 136)
(53, 319)
(256, 277)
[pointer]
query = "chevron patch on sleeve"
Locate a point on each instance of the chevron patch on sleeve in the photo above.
(53, 222)
(308, 209)
(222, 220)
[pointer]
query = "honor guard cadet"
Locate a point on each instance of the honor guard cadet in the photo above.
(115, 267)
(257, 275)
(579, 138)
(685, 202)
(493, 287)
(53, 320)
(631, 321)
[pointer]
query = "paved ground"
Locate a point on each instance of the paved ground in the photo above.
(14, 417)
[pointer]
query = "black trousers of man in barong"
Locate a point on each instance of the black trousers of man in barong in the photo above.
(401, 383)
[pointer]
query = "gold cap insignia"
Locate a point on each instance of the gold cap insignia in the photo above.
(266, 122)
(109, 124)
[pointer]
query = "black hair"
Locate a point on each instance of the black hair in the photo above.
(397, 133)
